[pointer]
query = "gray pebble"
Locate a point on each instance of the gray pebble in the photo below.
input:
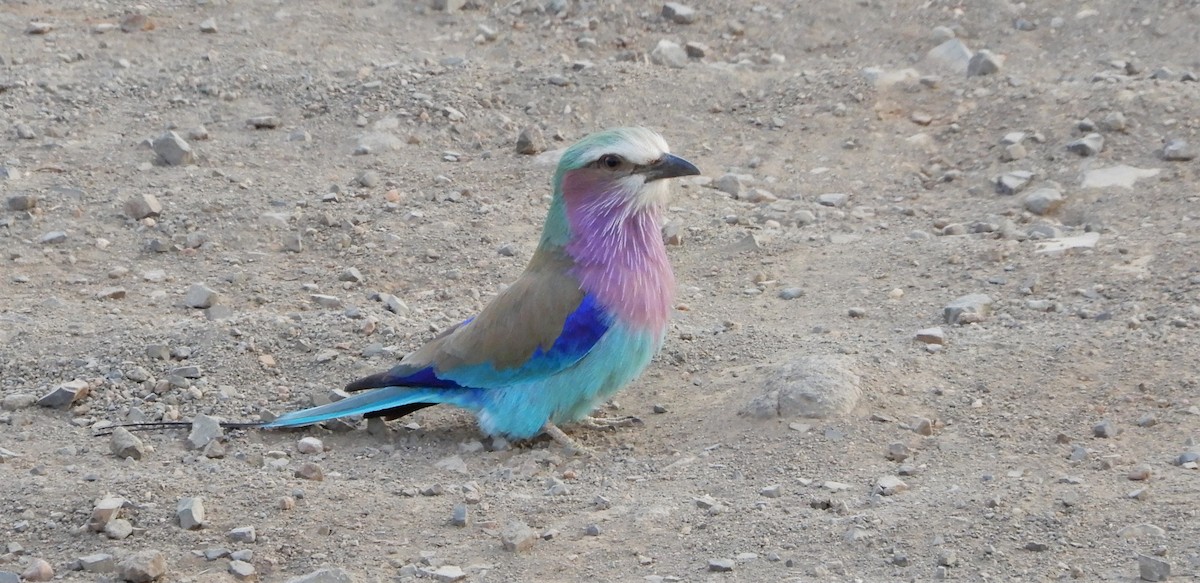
(459, 516)
(243, 534)
(791, 293)
(669, 54)
(142, 206)
(833, 199)
(531, 141)
(968, 309)
(205, 429)
(592, 530)
(22, 202)
(173, 150)
(97, 563)
(190, 513)
(1153, 568)
(264, 122)
(934, 335)
(242, 571)
(1089, 145)
(367, 179)
(678, 13)
(53, 238)
(1043, 201)
(208, 26)
(898, 452)
(773, 491)
(889, 486)
(448, 574)
(106, 510)
(118, 529)
(1105, 429)
(1178, 150)
(310, 471)
(517, 537)
(25, 132)
(1013, 182)
(124, 444)
(983, 62)
(142, 566)
(696, 50)
(200, 296)
(18, 401)
(64, 395)
(721, 565)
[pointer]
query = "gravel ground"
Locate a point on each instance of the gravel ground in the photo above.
(938, 310)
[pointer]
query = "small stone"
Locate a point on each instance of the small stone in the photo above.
(310, 445)
(669, 54)
(112, 293)
(791, 293)
(243, 534)
(1178, 150)
(730, 184)
(394, 305)
(190, 513)
(124, 444)
(208, 26)
(136, 23)
(592, 530)
(459, 515)
(173, 150)
(933, 335)
(984, 62)
(1037, 546)
(142, 567)
(696, 50)
(310, 471)
(1088, 145)
(205, 429)
(773, 491)
(1043, 201)
(118, 529)
(200, 296)
(1147, 420)
(951, 56)
(105, 511)
(898, 452)
(327, 301)
(1105, 429)
(142, 206)
(890, 485)
(448, 574)
(198, 133)
(1152, 568)
(264, 122)
(53, 238)
(65, 395)
(38, 570)
(531, 141)
(39, 28)
(1011, 183)
(1114, 122)
(856, 312)
(1140, 473)
(22, 202)
(367, 179)
(721, 565)
(517, 537)
(968, 309)
(97, 563)
(449, 5)
(833, 199)
(922, 426)
(242, 571)
(678, 13)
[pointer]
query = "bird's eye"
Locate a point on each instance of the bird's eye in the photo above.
(610, 161)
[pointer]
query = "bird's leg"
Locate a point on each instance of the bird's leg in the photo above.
(610, 422)
(572, 447)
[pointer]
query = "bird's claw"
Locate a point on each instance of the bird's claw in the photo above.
(610, 422)
(572, 446)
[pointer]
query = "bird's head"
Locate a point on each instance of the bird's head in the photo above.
(626, 166)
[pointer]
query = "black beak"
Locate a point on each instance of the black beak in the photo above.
(669, 166)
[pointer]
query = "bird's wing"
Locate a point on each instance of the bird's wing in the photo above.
(538, 326)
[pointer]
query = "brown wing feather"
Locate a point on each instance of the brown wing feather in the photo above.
(527, 315)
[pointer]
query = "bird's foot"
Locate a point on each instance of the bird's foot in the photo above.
(610, 422)
(572, 446)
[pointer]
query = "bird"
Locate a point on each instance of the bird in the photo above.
(581, 322)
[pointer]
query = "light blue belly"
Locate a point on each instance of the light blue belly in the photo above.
(519, 410)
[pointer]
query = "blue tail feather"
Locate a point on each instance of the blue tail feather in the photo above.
(374, 400)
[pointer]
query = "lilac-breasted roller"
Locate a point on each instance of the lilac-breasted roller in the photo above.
(580, 323)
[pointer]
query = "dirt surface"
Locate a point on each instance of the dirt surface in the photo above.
(1041, 441)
